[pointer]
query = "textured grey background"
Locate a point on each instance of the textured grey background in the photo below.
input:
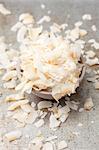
(68, 11)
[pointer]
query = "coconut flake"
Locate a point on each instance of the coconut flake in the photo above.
(88, 105)
(81, 109)
(13, 135)
(93, 28)
(17, 104)
(27, 108)
(33, 104)
(86, 17)
(10, 84)
(49, 11)
(82, 32)
(39, 123)
(43, 6)
(80, 124)
(44, 19)
(90, 54)
(51, 138)
(32, 117)
(92, 62)
(9, 75)
(21, 34)
(20, 116)
(48, 146)
(16, 27)
(64, 117)
(4, 10)
(78, 24)
(14, 97)
(62, 145)
(54, 123)
(95, 44)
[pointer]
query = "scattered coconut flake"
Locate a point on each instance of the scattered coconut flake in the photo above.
(44, 115)
(28, 87)
(93, 28)
(31, 118)
(20, 124)
(38, 139)
(27, 108)
(49, 11)
(48, 146)
(17, 26)
(20, 116)
(33, 104)
(91, 41)
(21, 34)
(51, 138)
(35, 147)
(82, 32)
(62, 145)
(90, 54)
(88, 104)
(17, 104)
(44, 19)
(13, 135)
(76, 133)
(63, 117)
(92, 121)
(54, 123)
(63, 26)
(28, 20)
(20, 85)
(55, 28)
(14, 97)
(39, 123)
(9, 75)
(95, 45)
(92, 62)
(43, 6)
(80, 124)
(87, 17)
(4, 10)
(44, 104)
(81, 109)
(96, 85)
(10, 84)
(78, 24)
(74, 34)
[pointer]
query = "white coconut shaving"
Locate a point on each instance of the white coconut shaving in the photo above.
(4, 10)
(13, 135)
(93, 28)
(43, 6)
(62, 145)
(44, 19)
(86, 17)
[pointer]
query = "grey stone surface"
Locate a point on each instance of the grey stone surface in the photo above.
(68, 11)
